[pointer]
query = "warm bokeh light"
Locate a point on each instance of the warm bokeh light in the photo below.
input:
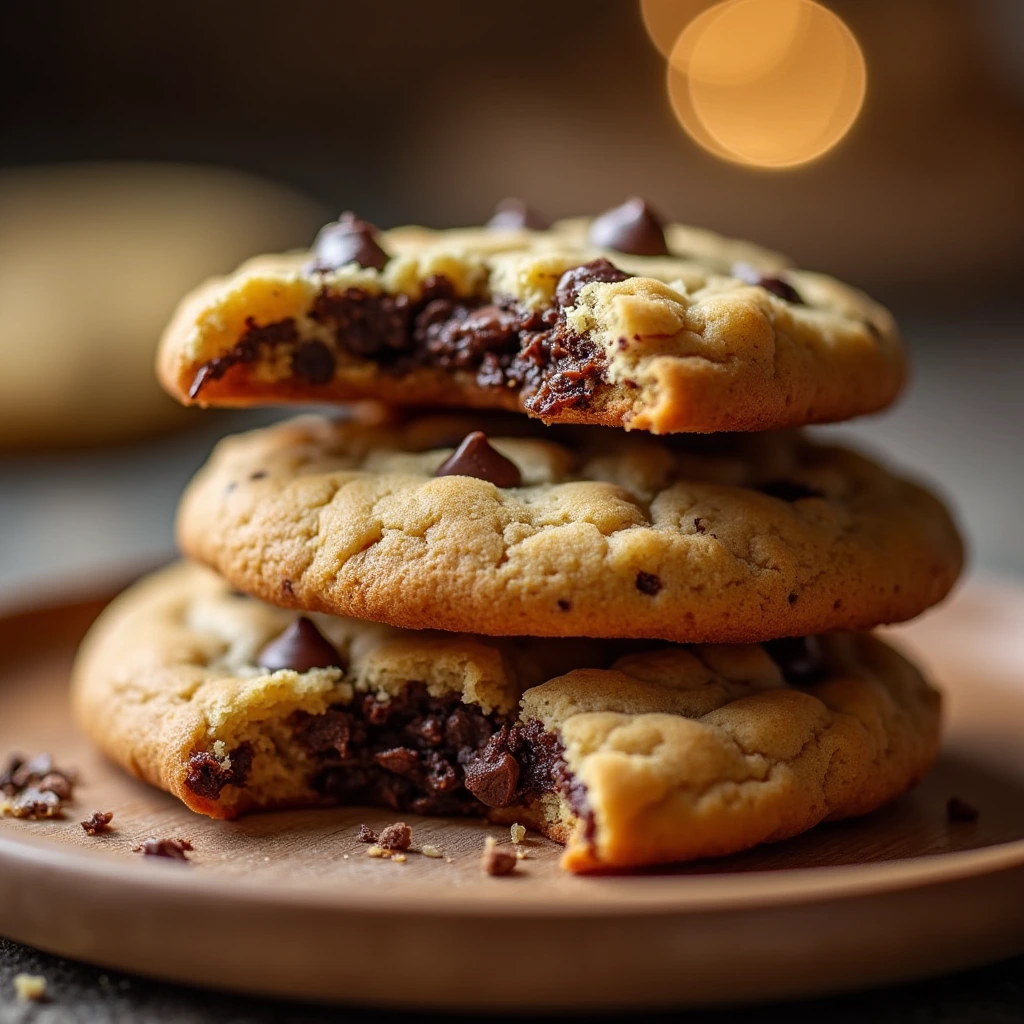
(767, 83)
(665, 19)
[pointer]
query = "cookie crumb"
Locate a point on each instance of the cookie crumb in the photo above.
(376, 851)
(366, 834)
(30, 988)
(431, 851)
(172, 849)
(98, 823)
(399, 858)
(518, 833)
(497, 861)
(960, 810)
(395, 837)
(34, 788)
(521, 854)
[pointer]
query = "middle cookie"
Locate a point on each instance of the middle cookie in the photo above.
(497, 525)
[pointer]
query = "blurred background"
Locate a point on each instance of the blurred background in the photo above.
(145, 147)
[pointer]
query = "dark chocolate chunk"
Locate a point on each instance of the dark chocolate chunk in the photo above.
(493, 777)
(788, 490)
(313, 362)
(172, 849)
(632, 227)
(960, 810)
(698, 525)
(247, 349)
(400, 761)
(98, 823)
(772, 283)
(800, 659)
(366, 834)
(648, 583)
(572, 281)
(513, 213)
(475, 457)
(300, 647)
(395, 837)
(348, 240)
(329, 732)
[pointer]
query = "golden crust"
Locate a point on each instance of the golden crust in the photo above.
(683, 752)
(689, 347)
(610, 534)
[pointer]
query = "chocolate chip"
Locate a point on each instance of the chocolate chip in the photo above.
(366, 834)
(648, 583)
(56, 783)
(98, 823)
(400, 761)
(475, 457)
(571, 283)
(300, 647)
(348, 240)
(698, 525)
(493, 779)
(395, 837)
(513, 213)
(632, 227)
(776, 285)
(564, 605)
(960, 810)
(800, 659)
(313, 362)
(788, 490)
(207, 775)
(172, 849)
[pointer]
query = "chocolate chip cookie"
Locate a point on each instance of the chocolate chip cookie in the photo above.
(628, 753)
(618, 321)
(499, 525)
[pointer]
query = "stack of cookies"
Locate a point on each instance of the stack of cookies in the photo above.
(578, 568)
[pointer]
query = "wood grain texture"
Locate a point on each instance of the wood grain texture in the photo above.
(289, 903)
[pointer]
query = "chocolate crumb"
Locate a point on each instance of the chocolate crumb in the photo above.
(475, 457)
(698, 525)
(172, 849)
(259, 474)
(98, 823)
(366, 834)
(648, 583)
(395, 837)
(960, 810)
(497, 861)
(564, 604)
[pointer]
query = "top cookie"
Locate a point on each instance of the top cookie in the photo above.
(616, 321)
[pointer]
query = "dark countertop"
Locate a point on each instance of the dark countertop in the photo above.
(79, 993)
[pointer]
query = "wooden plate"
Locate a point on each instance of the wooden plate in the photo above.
(290, 904)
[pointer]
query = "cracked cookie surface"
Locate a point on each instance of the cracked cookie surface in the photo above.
(631, 754)
(714, 335)
(734, 538)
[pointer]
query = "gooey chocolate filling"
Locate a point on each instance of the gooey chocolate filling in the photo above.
(498, 341)
(414, 752)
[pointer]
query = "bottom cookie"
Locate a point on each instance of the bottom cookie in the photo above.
(630, 753)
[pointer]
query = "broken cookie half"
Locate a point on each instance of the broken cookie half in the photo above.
(620, 320)
(629, 753)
